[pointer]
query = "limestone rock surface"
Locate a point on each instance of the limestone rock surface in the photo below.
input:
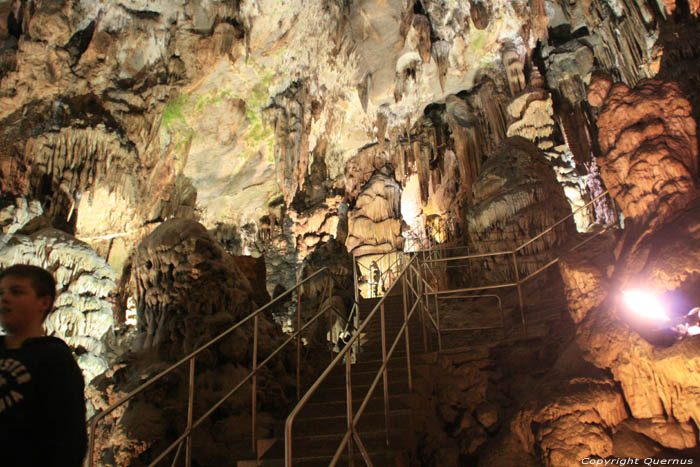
(82, 313)
(516, 197)
(648, 138)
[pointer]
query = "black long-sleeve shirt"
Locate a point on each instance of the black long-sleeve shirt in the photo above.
(42, 406)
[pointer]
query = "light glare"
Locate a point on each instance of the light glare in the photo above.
(645, 305)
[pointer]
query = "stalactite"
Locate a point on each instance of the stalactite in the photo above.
(467, 142)
(489, 100)
(291, 114)
(465, 176)
(573, 123)
(620, 43)
(363, 89)
(421, 25)
(422, 167)
(381, 130)
(514, 68)
(540, 18)
(480, 14)
(441, 52)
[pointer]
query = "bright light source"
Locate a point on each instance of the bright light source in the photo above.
(645, 305)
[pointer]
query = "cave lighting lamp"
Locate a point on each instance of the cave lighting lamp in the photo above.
(645, 305)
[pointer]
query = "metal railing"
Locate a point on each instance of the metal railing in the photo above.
(417, 290)
(415, 293)
(430, 260)
(185, 439)
(411, 283)
(385, 275)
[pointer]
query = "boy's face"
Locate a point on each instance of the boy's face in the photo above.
(20, 308)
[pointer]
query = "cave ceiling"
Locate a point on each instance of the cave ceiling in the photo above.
(118, 115)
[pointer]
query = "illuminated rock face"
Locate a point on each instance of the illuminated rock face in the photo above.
(650, 166)
(82, 314)
(613, 337)
(516, 198)
(374, 225)
(650, 153)
(184, 283)
(187, 291)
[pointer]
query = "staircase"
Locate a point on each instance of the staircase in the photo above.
(320, 426)
(382, 431)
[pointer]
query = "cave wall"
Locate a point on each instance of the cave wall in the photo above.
(217, 110)
(376, 123)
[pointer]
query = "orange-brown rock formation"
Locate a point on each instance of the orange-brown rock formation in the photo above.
(650, 153)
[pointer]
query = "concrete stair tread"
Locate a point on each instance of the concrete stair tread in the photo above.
(338, 381)
(323, 447)
(338, 393)
(314, 410)
(338, 424)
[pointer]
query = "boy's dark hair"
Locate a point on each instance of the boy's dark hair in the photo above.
(42, 281)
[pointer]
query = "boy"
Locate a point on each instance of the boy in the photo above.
(42, 406)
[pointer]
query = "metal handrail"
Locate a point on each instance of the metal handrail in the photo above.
(363, 405)
(384, 273)
(191, 425)
(546, 231)
(518, 281)
(344, 354)
(497, 297)
(422, 289)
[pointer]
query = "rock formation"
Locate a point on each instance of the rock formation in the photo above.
(516, 196)
(82, 314)
(660, 200)
(188, 290)
(218, 152)
(374, 225)
(650, 153)
(169, 273)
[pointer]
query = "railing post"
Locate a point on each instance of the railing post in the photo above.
(437, 318)
(421, 291)
(520, 291)
(91, 445)
(190, 410)
(408, 339)
(386, 373)
(328, 294)
(348, 397)
(354, 275)
(254, 394)
(471, 269)
(298, 343)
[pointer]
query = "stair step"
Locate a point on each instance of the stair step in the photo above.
(366, 364)
(396, 386)
(338, 424)
(330, 409)
(337, 380)
(321, 449)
